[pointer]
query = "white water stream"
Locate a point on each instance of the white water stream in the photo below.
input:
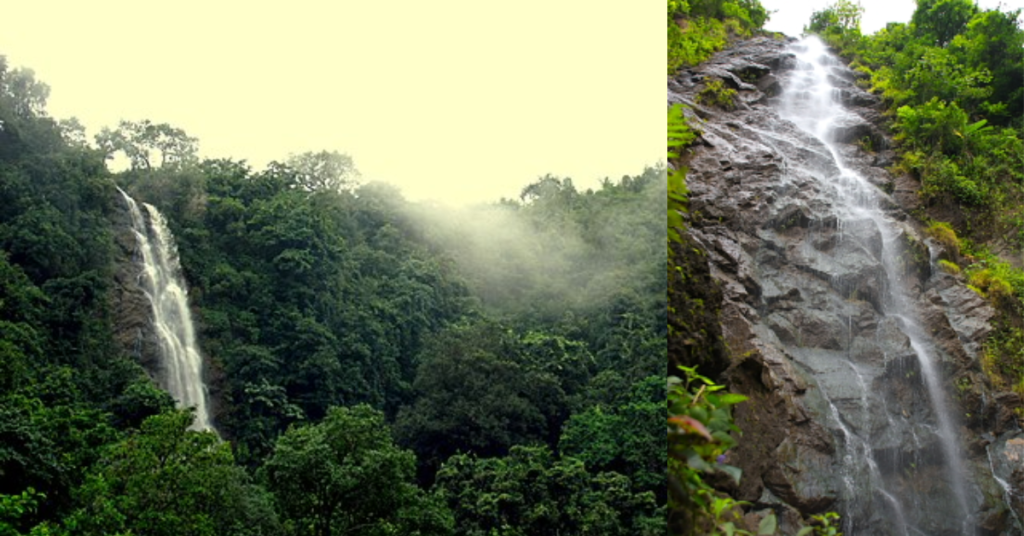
(172, 321)
(811, 102)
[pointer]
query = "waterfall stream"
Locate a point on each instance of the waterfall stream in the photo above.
(811, 102)
(165, 288)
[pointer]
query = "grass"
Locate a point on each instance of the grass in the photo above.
(943, 233)
(949, 267)
(716, 94)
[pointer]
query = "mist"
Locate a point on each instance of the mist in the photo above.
(557, 250)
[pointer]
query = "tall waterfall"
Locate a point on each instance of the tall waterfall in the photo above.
(870, 486)
(172, 321)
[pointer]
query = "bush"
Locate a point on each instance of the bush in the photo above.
(699, 28)
(716, 94)
(949, 267)
(945, 235)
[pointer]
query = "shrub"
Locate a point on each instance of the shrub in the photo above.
(992, 283)
(945, 235)
(949, 267)
(716, 94)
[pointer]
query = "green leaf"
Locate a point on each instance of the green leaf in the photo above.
(734, 472)
(767, 526)
(805, 531)
(729, 399)
(697, 463)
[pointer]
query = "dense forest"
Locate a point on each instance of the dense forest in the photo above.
(946, 121)
(375, 366)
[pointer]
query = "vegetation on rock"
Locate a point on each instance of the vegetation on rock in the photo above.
(952, 79)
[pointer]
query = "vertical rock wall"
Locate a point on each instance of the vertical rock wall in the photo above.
(801, 315)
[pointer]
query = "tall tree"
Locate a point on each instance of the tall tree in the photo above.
(168, 480)
(324, 171)
(143, 141)
(346, 476)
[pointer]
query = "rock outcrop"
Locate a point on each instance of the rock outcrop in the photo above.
(133, 326)
(840, 416)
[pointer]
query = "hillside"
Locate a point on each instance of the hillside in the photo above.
(371, 366)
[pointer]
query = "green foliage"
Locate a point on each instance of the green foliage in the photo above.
(700, 427)
(954, 81)
(697, 42)
(13, 508)
(318, 298)
(839, 17)
(141, 140)
(826, 524)
(323, 171)
(345, 475)
(716, 94)
(618, 438)
(680, 135)
(699, 28)
(530, 492)
(476, 393)
(939, 21)
(167, 480)
(933, 124)
(838, 24)
(945, 235)
(949, 267)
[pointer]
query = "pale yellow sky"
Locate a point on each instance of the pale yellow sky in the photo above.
(448, 99)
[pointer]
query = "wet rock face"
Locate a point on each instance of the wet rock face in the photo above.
(804, 312)
(133, 330)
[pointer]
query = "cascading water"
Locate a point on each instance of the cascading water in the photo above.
(810, 101)
(172, 321)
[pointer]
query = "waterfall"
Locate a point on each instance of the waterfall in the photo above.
(873, 490)
(165, 288)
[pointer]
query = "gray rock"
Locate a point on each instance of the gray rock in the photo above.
(806, 306)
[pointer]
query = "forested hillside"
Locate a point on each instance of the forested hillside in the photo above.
(375, 366)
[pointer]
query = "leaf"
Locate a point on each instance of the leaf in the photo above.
(974, 127)
(729, 528)
(729, 399)
(805, 531)
(734, 472)
(697, 463)
(721, 437)
(767, 526)
(690, 425)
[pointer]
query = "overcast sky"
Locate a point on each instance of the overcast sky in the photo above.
(793, 15)
(451, 99)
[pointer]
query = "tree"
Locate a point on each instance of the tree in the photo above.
(530, 492)
(20, 90)
(346, 476)
(168, 480)
(840, 17)
(942, 20)
(475, 395)
(325, 171)
(140, 140)
(619, 438)
(994, 39)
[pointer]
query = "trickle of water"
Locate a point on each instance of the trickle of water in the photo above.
(1007, 491)
(165, 288)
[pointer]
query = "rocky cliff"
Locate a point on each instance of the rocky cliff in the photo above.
(133, 327)
(834, 315)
